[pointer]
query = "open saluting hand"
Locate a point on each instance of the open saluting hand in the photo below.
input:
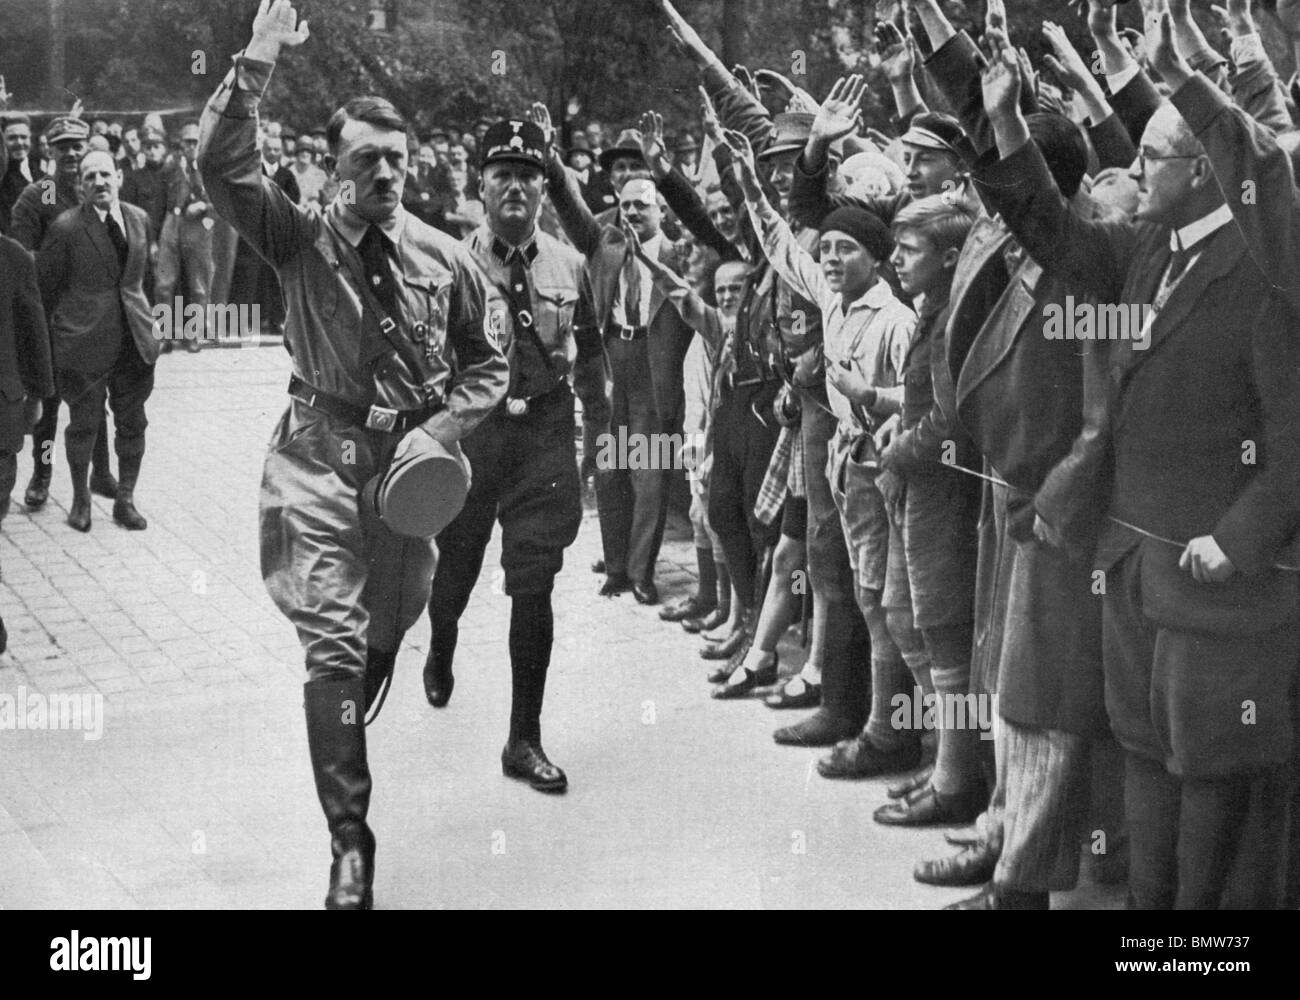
(276, 24)
(540, 115)
(1165, 58)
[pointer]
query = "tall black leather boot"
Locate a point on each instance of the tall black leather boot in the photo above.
(438, 678)
(379, 667)
(124, 512)
(101, 472)
(336, 735)
(79, 512)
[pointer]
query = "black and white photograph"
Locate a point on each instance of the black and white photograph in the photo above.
(651, 455)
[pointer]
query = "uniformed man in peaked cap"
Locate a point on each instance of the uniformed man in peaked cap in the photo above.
(526, 472)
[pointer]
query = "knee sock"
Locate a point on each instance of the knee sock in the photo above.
(956, 764)
(532, 633)
(707, 587)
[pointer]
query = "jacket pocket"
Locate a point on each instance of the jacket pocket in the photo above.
(1240, 606)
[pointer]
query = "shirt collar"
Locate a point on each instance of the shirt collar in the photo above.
(353, 227)
(653, 245)
(1193, 233)
(503, 251)
(876, 297)
(115, 211)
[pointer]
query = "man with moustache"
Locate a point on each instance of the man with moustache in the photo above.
(33, 214)
(526, 471)
(378, 302)
(91, 266)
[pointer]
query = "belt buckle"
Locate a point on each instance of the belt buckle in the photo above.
(381, 418)
(627, 333)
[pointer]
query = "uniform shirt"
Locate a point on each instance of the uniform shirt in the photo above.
(444, 302)
(873, 334)
(558, 288)
(34, 212)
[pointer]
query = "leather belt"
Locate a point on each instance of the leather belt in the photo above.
(374, 418)
(735, 383)
(627, 332)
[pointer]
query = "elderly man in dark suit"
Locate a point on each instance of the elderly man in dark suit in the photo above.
(91, 266)
(40, 203)
(645, 341)
(1200, 636)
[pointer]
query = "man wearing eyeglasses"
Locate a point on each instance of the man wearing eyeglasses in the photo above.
(1199, 454)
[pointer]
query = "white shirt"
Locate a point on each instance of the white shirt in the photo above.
(116, 211)
(652, 247)
(872, 335)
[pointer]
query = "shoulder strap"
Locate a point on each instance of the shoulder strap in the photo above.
(387, 325)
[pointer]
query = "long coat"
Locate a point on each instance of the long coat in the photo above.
(25, 368)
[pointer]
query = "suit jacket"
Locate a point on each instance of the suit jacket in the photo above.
(25, 368)
(147, 188)
(605, 248)
(89, 296)
(1220, 371)
(34, 212)
(11, 186)
(181, 186)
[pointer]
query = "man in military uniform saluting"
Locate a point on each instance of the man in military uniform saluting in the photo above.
(376, 301)
(525, 464)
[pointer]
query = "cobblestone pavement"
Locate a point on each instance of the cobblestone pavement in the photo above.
(199, 794)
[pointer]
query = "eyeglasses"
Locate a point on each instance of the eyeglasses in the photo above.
(1143, 156)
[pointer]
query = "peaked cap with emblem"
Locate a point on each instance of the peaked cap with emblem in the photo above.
(514, 141)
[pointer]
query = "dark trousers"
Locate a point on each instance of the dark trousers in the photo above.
(43, 441)
(1207, 809)
(1199, 844)
(126, 386)
(524, 474)
(744, 435)
(8, 473)
(633, 502)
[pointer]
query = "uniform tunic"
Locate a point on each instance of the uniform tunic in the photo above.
(341, 576)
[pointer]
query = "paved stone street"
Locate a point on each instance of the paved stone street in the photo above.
(199, 793)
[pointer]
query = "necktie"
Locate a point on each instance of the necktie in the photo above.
(118, 239)
(529, 365)
(379, 272)
(631, 290)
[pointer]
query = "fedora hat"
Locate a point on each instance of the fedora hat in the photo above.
(628, 145)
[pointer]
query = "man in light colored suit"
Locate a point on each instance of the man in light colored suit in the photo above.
(91, 267)
(645, 342)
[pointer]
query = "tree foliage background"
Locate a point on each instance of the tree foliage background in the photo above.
(449, 61)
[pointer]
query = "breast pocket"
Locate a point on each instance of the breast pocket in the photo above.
(428, 304)
(555, 311)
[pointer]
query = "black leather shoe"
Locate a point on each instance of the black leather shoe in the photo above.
(720, 674)
(914, 782)
(527, 762)
(970, 866)
(809, 697)
(928, 807)
(438, 679)
(715, 618)
(645, 592)
(38, 492)
(993, 898)
(693, 607)
(821, 729)
(761, 677)
(104, 485)
(860, 758)
(616, 583)
(125, 514)
(79, 515)
(598, 566)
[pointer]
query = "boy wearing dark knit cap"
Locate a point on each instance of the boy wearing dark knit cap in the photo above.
(867, 332)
